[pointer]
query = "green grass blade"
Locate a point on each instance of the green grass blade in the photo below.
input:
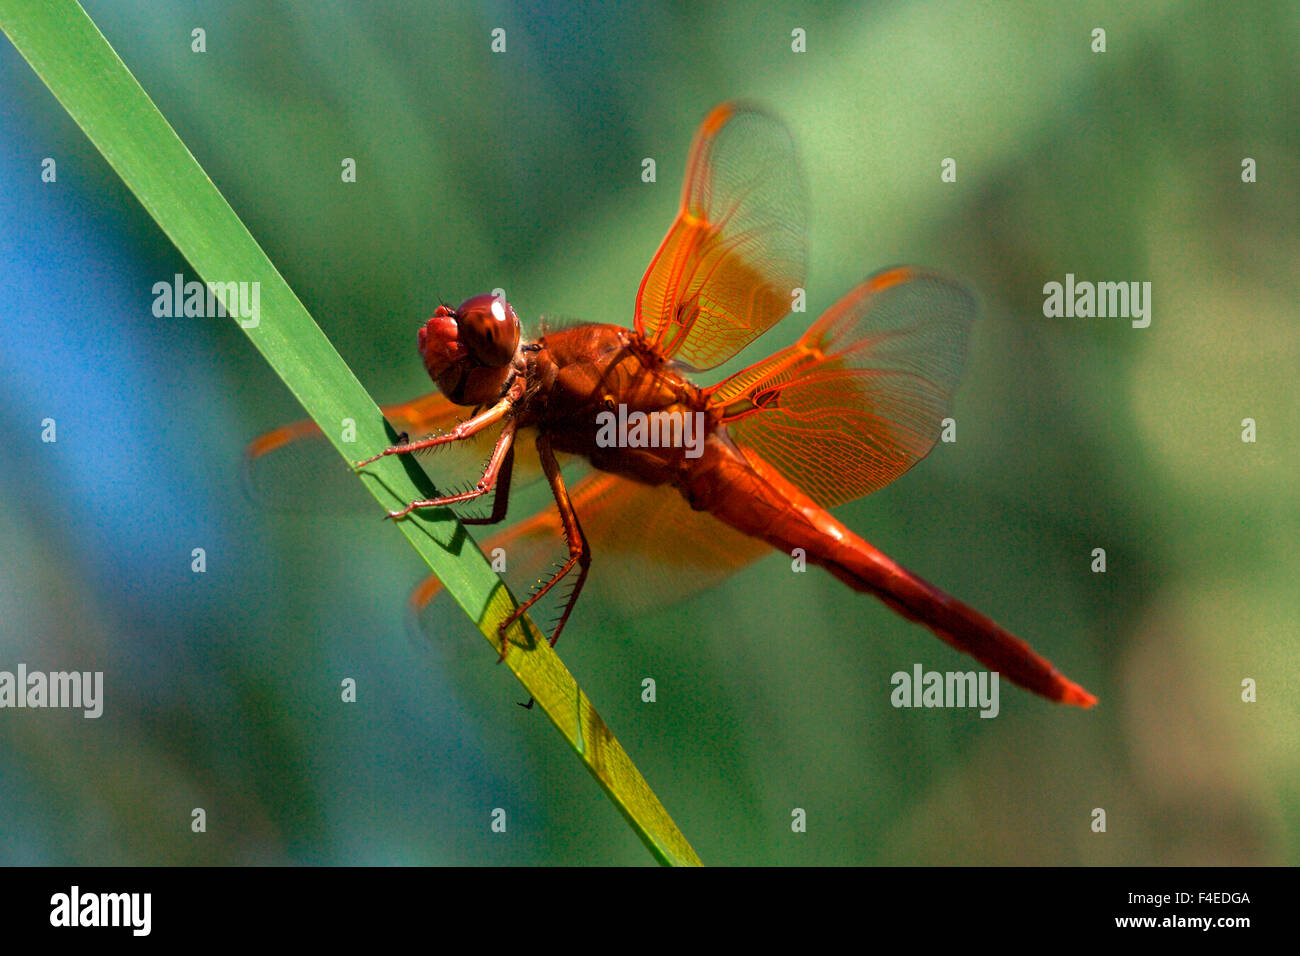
(83, 71)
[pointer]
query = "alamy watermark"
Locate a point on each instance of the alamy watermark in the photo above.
(659, 429)
(211, 300)
(77, 690)
(1098, 300)
(922, 688)
(127, 910)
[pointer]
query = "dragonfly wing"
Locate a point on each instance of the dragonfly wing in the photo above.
(649, 549)
(728, 267)
(861, 397)
(295, 468)
(657, 550)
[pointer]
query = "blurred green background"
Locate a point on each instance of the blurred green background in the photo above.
(522, 170)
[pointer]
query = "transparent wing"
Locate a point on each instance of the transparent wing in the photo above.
(295, 468)
(861, 397)
(727, 269)
(649, 549)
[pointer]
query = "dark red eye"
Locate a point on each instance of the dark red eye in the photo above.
(489, 329)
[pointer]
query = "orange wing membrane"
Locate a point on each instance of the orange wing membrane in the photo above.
(295, 468)
(861, 397)
(430, 413)
(676, 552)
(727, 270)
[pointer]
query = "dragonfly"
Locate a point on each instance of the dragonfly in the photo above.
(706, 478)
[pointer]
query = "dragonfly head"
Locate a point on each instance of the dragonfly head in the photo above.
(468, 350)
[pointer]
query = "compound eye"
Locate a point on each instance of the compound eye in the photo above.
(489, 328)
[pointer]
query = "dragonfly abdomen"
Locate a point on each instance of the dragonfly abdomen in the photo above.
(745, 491)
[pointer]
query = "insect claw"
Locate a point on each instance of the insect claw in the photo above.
(502, 628)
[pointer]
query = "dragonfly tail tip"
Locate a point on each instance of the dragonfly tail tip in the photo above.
(1076, 696)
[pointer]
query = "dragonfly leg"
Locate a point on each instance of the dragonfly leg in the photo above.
(501, 500)
(579, 552)
(469, 427)
(503, 452)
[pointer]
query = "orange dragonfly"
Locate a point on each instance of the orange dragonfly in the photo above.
(707, 479)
